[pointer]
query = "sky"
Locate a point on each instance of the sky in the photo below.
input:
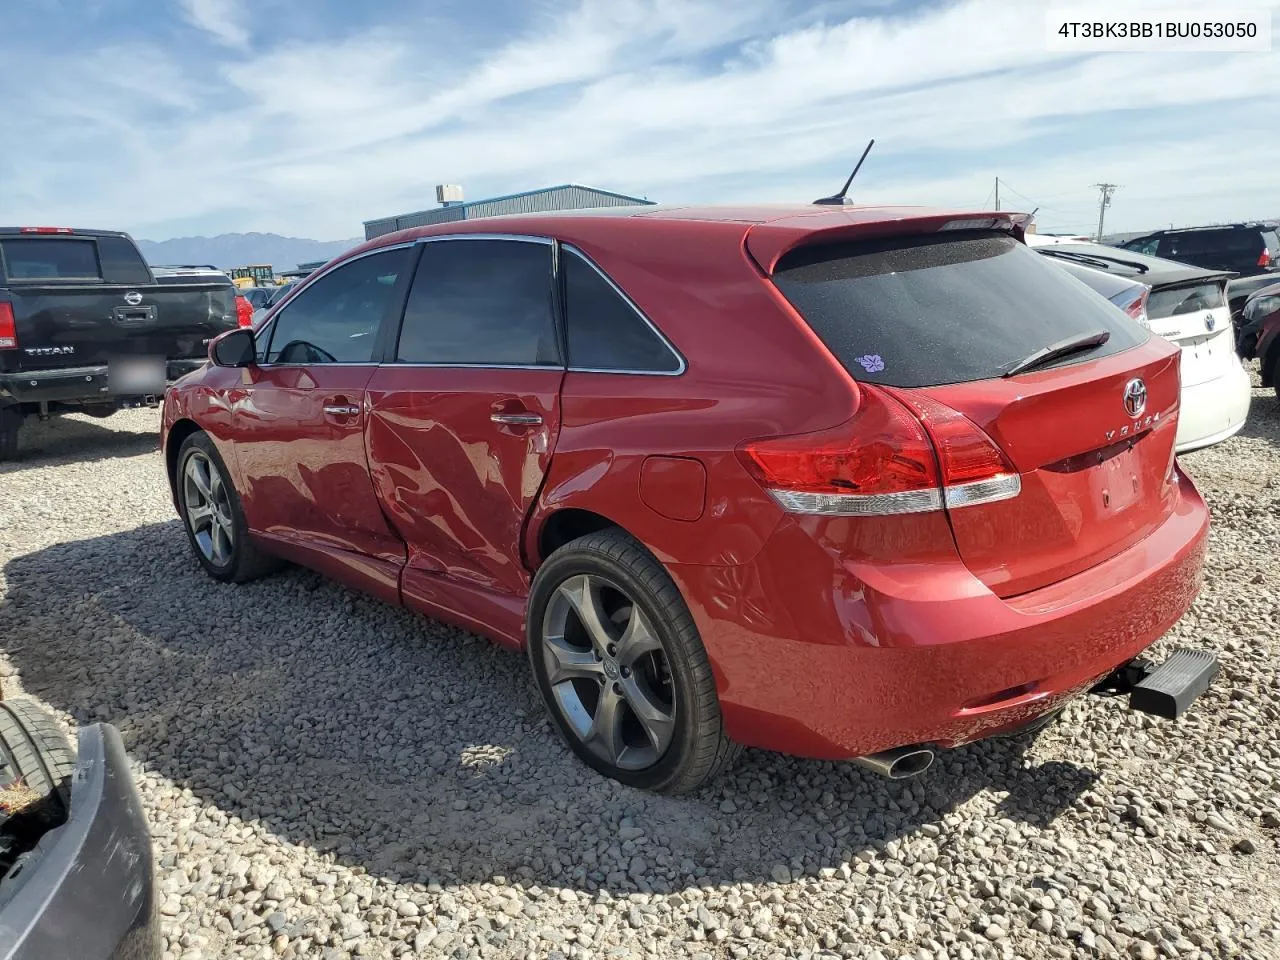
(306, 117)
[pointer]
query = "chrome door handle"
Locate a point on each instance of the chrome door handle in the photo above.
(341, 409)
(517, 419)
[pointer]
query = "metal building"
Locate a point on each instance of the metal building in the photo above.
(569, 196)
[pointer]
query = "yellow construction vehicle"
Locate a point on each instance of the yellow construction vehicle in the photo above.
(254, 275)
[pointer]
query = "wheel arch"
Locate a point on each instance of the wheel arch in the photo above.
(551, 531)
(1270, 365)
(177, 436)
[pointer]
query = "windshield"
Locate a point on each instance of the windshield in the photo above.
(944, 308)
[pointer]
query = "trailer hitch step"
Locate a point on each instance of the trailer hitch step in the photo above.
(1165, 690)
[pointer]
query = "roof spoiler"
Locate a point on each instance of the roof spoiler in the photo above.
(769, 242)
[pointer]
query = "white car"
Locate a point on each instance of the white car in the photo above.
(1187, 305)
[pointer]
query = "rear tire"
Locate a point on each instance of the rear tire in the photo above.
(212, 515)
(10, 423)
(634, 697)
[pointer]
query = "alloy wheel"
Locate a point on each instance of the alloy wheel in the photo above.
(608, 672)
(208, 507)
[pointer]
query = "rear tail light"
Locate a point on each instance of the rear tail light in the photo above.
(1138, 309)
(883, 461)
(1264, 259)
(974, 469)
(244, 311)
(8, 327)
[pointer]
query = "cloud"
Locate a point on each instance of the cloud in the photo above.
(682, 100)
(225, 20)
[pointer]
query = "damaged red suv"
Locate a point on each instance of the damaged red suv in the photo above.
(842, 482)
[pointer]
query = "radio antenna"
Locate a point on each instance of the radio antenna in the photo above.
(840, 199)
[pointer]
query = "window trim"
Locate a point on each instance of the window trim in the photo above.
(393, 342)
(681, 364)
(396, 312)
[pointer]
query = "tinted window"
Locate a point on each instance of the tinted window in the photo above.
(605, 331)
(42, 258)
(336, 319)
(481, 301)
(280, 293)
(121, 262)
(943, 308)
(1147, 245)
(1173, 303)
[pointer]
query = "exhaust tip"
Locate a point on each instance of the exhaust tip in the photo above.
(899, 763)
(910, 764)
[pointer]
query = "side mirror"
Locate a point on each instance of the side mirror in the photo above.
(235, 348)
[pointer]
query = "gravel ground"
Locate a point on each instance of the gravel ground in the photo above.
(327, 777)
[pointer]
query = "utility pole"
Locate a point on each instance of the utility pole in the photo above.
(997, 193)
(1104, 201)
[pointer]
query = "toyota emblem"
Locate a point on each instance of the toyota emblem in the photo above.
(133, 298)
(1135, 397)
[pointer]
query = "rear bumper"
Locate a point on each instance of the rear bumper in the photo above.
(869, 658)
(1211, 412)
(91, 893)
(75, 384)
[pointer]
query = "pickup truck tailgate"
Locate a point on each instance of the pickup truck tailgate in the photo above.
(76, 326)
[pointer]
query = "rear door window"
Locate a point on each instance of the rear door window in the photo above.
(606, 332)
(337, 318)
(49, 258)
(483, 303)
(943, 308)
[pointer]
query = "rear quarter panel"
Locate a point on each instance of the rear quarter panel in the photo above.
(753, 370)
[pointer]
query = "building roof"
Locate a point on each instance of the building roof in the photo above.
(466, 204)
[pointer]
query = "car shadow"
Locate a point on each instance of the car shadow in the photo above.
(77, 439)
(418, 751)
(1264, 417)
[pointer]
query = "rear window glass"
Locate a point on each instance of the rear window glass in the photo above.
(945, 308)
(43, 258)
(121, 262)
(1173, 303)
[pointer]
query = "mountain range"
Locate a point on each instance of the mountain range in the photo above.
(240, 249)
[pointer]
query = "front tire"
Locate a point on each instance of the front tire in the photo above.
(621, 668)
(212, 515)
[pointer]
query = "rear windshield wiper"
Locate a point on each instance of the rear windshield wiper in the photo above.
(1094, 259)
(1075, 258)
(1056, 351)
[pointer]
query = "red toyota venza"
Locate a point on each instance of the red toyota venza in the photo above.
(841, 482)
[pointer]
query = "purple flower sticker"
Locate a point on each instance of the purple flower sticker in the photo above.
(871, 363)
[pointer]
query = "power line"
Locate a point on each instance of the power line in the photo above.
(1104, 201)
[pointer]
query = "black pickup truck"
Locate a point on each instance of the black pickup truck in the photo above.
(87, 327)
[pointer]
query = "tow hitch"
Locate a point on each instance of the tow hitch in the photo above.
(1165, 690)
